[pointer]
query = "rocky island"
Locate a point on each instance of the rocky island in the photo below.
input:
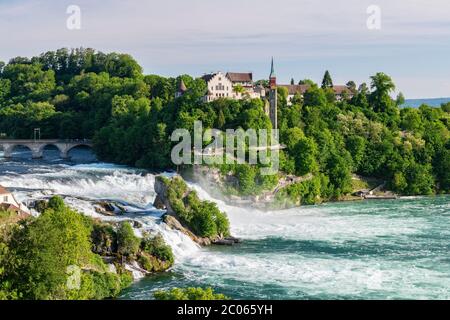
(202, 221)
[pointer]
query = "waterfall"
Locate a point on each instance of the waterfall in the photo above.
(83, 185)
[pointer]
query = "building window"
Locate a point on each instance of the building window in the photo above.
(5, 199)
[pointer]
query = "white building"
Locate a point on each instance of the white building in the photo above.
(245, 80)
(222, 85)
(9, 203)
(219, 86)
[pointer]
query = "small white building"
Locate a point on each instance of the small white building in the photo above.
(9, 203)
(245, 80)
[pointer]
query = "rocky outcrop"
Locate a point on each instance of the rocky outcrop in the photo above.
(162, 199)
(183, 206)
(105, 208)
(174, 224)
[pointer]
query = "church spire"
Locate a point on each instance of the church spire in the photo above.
(272, 70)
(272, 77)
(273, 98)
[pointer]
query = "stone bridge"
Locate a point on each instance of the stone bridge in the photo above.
(37, 146)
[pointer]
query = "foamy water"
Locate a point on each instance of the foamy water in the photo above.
(388, 249)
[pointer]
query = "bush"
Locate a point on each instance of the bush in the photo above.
(104, 239)
(189, 294)
(127, 243)
(156, 246)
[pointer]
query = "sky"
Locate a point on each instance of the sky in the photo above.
(305, 37)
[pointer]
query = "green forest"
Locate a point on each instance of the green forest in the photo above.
(83, 93)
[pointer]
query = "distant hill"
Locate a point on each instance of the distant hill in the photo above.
(415, 103)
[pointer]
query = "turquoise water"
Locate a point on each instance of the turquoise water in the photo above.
(395, 249)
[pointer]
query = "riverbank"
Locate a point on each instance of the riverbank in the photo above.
(223, 186)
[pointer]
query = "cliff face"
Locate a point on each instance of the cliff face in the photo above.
(162, 199)
(202, 221)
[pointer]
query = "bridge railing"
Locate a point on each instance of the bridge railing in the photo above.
(88, 141)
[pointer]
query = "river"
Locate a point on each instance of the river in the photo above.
(393, 249)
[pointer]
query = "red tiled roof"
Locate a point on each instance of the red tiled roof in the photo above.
(295, 88)
(240, 77)
(341, 89)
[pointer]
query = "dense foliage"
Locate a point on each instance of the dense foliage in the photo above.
(59, 256)
(202, 217)
(150, 251)
(40, 257)
(189, 294)
(86, 94)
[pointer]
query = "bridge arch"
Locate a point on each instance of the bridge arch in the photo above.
(9, 149)
(65, 151)
(48, 147)
(37, 147)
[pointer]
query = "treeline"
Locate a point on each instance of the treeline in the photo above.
(368, 134)
(87, 94)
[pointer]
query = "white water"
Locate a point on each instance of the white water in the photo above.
(81, 185)
(310, 223)
(294, 253)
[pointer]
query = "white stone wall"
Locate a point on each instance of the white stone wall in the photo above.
(219, 87)
(8, 198)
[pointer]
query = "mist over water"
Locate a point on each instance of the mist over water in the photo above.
(365, 250)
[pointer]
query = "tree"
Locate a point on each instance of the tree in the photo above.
(351, 85)
(43, 249)
(306, 82)
(400, 99)
(327, 82)
(29, 81)
(305, 152)
(314, 96)
(381, 85)
(356, 145)
(292, 81)
(238, 89)
(419, 179)
(128, 243)
(339, 172)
